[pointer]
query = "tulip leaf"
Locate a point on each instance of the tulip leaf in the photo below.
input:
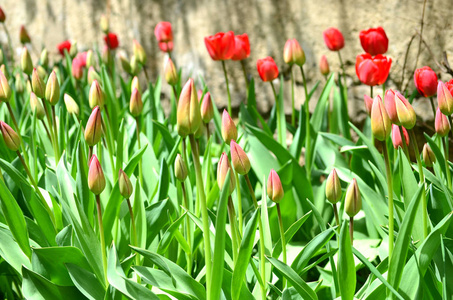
(346, 266)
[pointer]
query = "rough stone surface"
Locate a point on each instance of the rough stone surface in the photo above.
(269, 24)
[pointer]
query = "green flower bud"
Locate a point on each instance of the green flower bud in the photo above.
(124, 184)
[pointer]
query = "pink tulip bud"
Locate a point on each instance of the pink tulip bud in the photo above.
(136, 103)
(77, 68)
(171, 76)
(396, 136)
(96, 179)
(135, 84)
(380, 122)
(428, 155)
(10, 137)
(125, 64)
(37, 84)
(229, 131)
(239, 158)
(139, 52)
(124, 184)
(180, 168)
(96, 96)
(324, 66)
(188, 114)
(36, 106)
(353, 200)
(369, 103)
(406, 114)
(293, 53)
(89, 62)
(274, 187)
(441, 123)
(390, 106)
(207, 109)
(333, 187)
(53, 89)
(93, 130)
(5, 90)
(222, 169)
(444, 99)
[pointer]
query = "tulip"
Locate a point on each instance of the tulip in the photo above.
(73, 49)
(42, 73)
(207, 109)
(441, 124)
(374, 41)
(96, 179)
(25, 62)
(36, 106)
(111, 40)
(139, 52)
(2, 16)
(171, 76)
(71, 105)
(135, 65)
(222, 169)
(241, 47)
(12, 140)
(104, 24)
(333, 187)
(180, 168)
(96, 95)
(267, 68)
(188, 114)
(324, 66)
(53, 89)
(136, 103)
(372, 70)
(135, 84)
(390, 106)
(221, 46)
(93, 129)
(163, 32)
(353, 200)
(89, 60)
(229, 130)
(77, 68)
(125, 63)
(44, 58)
(92, 76)
(405, 112)
(333, 39)
(19, 83)
(124, 184)
(239, 159)
(380, 122)
(166, 47)
(444, 99)
(293, 53)
(428, 155)
(425, 80)
(66, 45)
(368, 104)
(199, 133)
(396, 137)
(5, 90)
(106, 56)
(274, 187)
(24, 37)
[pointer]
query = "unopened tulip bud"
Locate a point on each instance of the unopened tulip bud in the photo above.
(274, 187)
(293, 53)
(441, 124)
(428, 155)
(96, 179)
(239, 158)
(5, 90)
(125, 63)
(19, 84)
(36, 106)
(222, 169)
(89, 59)
(96, 96)
(1, 55)
(135, 65)
(124, 184)
(444, 99)
(44, 58)
(53, 89)
(136, 103)
(180, 168)
(93, 130)
(368, 104)
(10, 137)
(4, 71)
(2, 16)
(406, 114)
(42, 73)
(24, 37)
(324, 66)
(106, 56)
(92, 76)
(104, 24)
(135, 84)
(353, 200)
(333, 187)
(139, 52)
(71, 105)
(396, 136)
(207, 109)
(188, 117)
(171, 76)
(25, 62)
(390, 106)
(229, 130)
(380, 122)
(73, 50)
(37, 84)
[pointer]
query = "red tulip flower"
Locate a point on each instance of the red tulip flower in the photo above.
(374, 41)
(62, 46)
(163, 32)
(241, 47)
(2, 16)
(267, 68)
(221, 46)
(372, 70)
(333, 38)
(111, 40)
(166, 46)
(425, 80)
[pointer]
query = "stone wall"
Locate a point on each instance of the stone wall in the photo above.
(269, 24)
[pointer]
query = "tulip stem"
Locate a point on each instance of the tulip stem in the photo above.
(388, 170)
(188, 235)
(57, 147)
(146, 74)
(134, 241)
(47, 130)
(204, 213)
(233, 229)
(10, 44)
(101, 232)
(422, 181)
(351, 230)
(245, 74)
(405, 143)
(335, 212)
(279, 127)
(342, 68)
(371, 92)
(447, 167)
(90, 154)
(433, 107)
(307, 129)
(207, 132)
(13, 118)
(109, 145)
(228, 88)
(282, 238)
(238, 190)
(140, 167)
(293, 109)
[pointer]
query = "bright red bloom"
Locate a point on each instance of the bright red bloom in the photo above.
(374, 41)
(2, 16)
(267, 68)
(425, 80)
(163, 32)
(449, 85)
(166, 46)
(241, 47)
(221, 46)
(111, 40)
(333, 38)
(62, 46)
(372, 70)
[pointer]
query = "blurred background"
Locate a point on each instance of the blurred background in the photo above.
(268, 23)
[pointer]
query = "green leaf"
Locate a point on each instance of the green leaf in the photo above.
(164, 181)
(86, 282)
(346, 266)
(170, 234)
(318, 115)
(289, 233)
(10, 251)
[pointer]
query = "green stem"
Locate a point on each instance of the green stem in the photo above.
(433, 107)
(238, 190)
(447, 167)
(109, 146)
(228, 87)
(245, 74)
(388, 170)
(204, 213)
(13, 118)
(342, 68)
(101, 232)
(9, 43)
(55, 134)
(335, 212)
(188, 234)
(282, 237)
(279, 127)
(404, 142)
(233, 228)
(140, 166)
(293, 109)
(351, 230)
(371, 92)
(307, 129)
